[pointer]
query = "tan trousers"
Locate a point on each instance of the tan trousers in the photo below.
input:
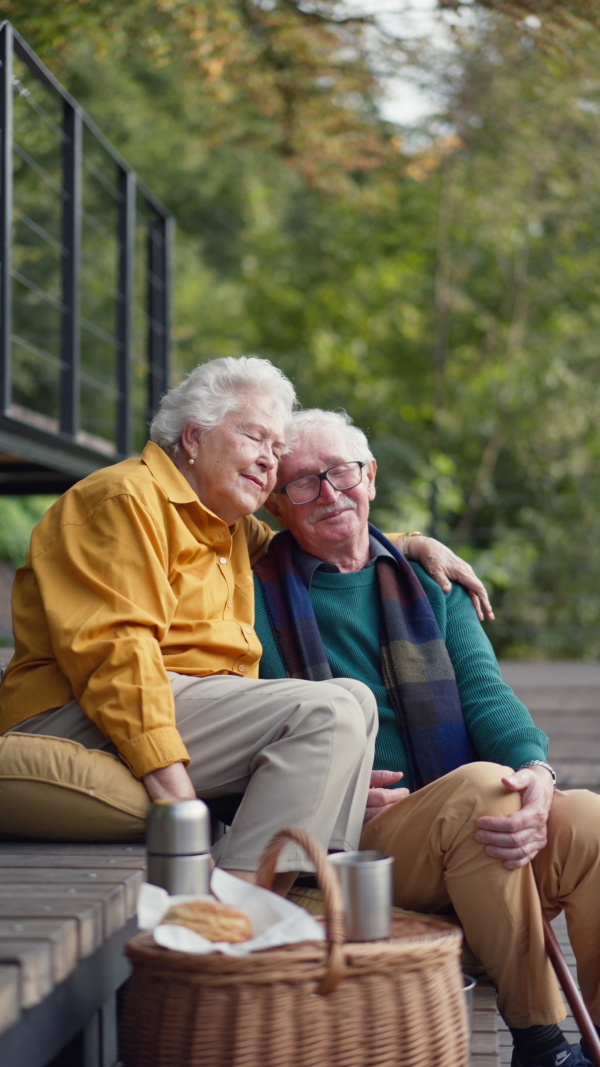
(300, 752)
(438, 863)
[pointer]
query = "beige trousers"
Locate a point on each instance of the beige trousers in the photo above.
(438, 863)
(300, 752)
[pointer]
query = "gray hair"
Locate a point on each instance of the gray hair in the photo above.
(305, 423)
(214, 389)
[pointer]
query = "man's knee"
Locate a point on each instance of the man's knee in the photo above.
(574, 819)
(482, 782)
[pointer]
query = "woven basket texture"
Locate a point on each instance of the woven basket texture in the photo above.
(395, 1003)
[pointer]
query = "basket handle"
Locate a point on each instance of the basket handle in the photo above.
(332, 897)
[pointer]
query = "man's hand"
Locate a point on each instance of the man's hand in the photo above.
(516, 839)
(169, 782)
(379, 797)
(445, 567)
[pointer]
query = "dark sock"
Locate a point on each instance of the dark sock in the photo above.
(535, 1041)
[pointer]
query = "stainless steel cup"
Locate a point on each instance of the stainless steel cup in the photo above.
(178, 846)
(366, 882)
(469, 984)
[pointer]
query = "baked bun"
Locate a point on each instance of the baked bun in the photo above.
(211, 919)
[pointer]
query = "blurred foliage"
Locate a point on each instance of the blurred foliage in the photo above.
(18, 514)
(442, 285)
(559, 20)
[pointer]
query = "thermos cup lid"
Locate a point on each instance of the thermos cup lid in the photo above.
(178, 828)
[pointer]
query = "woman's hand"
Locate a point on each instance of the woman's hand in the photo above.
(169, 783)
(379, 797)
(445, 567)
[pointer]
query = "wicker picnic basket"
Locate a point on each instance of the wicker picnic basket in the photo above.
(315, 1004)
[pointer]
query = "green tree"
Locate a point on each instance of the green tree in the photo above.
(446, 295)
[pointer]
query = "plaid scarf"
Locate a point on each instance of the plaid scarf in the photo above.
(417, 671)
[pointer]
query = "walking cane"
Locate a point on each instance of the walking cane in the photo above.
(572, 994)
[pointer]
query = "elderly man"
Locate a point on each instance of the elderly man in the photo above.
(480, 827)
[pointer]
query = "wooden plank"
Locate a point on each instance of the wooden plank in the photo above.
(484, 1022)
(87, 914)
(484, 1028)
(60, 935)
(559, 699)
(483, 1044)
(572, 775)
(45, 1029)
(62, 848)
(485, 995)
(131, 880)
(565, 724)
(15, 858)
(578, 749)
(111, 899)
(9, 996)
(566, 673)
(33, 959)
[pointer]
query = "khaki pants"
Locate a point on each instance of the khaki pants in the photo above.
(300, 752)
(440, 863)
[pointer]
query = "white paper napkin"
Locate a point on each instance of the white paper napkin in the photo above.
(275, 920)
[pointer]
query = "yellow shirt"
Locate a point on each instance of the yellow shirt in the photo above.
(129, 576)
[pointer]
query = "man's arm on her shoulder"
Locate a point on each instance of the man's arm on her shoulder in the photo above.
(445, 567)
(440, 562)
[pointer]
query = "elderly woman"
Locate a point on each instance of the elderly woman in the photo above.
(134, 626)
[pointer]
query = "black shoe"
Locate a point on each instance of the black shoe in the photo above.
(568, 1056)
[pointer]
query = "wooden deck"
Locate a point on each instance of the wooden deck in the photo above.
(65, 913)
(62, 932)
(564, 700)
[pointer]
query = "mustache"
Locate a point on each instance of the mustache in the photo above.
(323, 510)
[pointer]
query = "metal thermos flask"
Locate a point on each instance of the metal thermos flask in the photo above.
(178, 846)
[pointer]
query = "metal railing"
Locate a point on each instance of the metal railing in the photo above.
(84, 286)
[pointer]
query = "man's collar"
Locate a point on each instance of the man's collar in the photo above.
(306, 564)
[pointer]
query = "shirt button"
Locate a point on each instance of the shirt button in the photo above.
(230, 603)
(242, 667)
(222, 560)
(248, 629)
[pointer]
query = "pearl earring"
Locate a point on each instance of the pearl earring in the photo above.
(191, 461)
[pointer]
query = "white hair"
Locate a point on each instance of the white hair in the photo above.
(305, 423)
(211, 391)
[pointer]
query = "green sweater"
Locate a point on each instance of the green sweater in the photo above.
(346, 607)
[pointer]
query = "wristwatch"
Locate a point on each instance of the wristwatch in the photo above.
(540, 763)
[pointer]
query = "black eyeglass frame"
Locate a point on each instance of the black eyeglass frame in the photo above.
(323, 476)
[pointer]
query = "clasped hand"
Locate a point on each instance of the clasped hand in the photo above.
(517, 838)
(379, 797)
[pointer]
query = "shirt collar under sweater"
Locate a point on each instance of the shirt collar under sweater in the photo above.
(307, 564)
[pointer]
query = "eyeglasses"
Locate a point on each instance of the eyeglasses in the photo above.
(304, 490)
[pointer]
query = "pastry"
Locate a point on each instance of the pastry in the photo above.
(211, 919)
